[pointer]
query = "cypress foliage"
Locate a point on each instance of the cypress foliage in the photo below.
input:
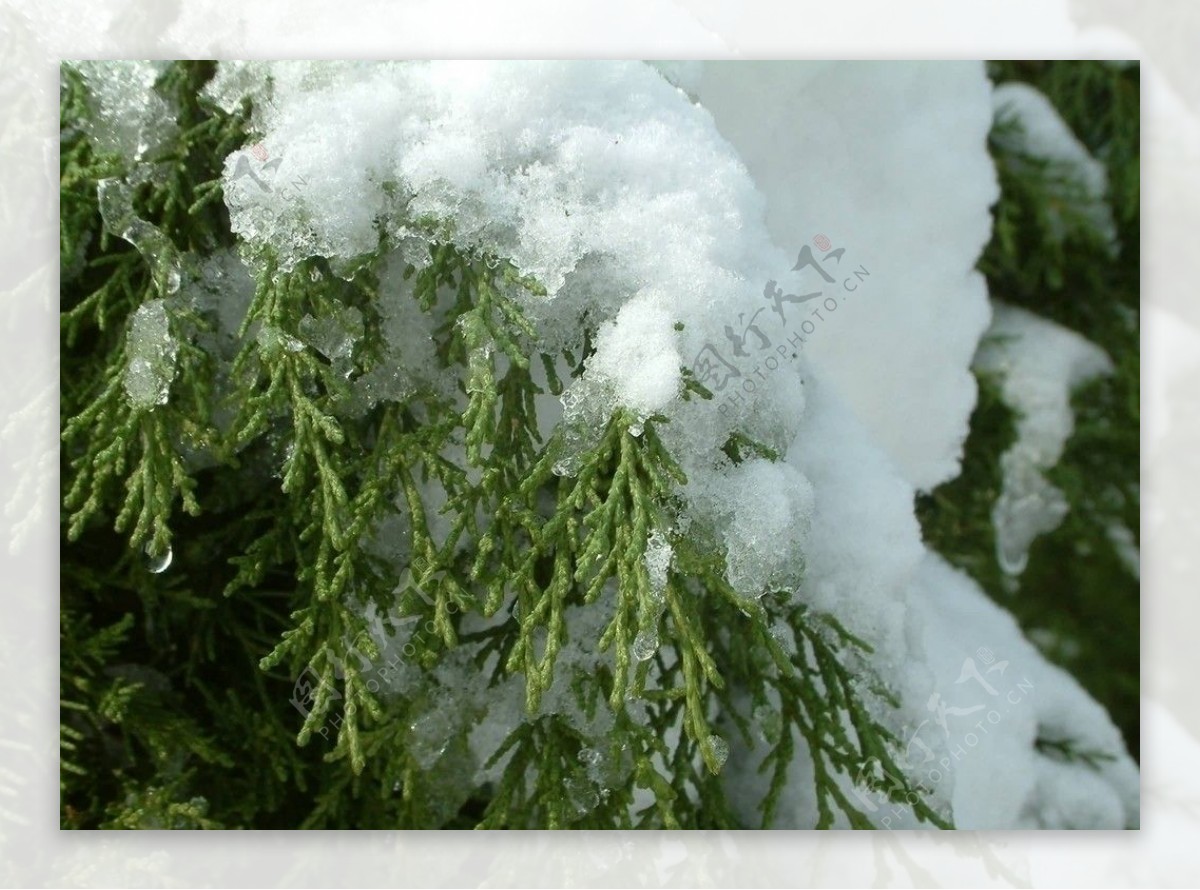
(221, 542)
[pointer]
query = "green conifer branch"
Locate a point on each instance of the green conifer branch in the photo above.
(677, 650)
(108, 438)
(134, 444)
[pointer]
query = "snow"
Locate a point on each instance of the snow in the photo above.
(236, 81)
(130, 120)
(1040, 364)
(579, 173)
(766, 504)
(686, 212)
(889, 162)
(1001, 780)
(865, 541)
(1040, 132)
(641, 339)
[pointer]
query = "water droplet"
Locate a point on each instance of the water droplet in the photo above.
(157, 563)
(719, 749)
(315, 274)
(1012, 559)
(645, 644)
(396, 787)
(171, 285)
(590, 756)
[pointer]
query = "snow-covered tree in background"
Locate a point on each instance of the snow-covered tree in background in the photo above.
(554, 432)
